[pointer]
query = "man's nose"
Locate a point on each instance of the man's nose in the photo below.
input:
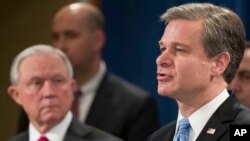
(235, 85)
(60, 44)
(49, 90)
(165, 59)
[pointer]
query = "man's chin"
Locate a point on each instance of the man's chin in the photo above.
(51, 119)
(51, 115)
(164, 92)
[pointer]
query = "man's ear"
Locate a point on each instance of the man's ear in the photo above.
(13, 93)
(100, 39)
(74, 86)
(220, 63)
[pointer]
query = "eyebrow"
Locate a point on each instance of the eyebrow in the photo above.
(244, 71)
(174, 43)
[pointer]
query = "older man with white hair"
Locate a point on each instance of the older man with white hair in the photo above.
(42, 83)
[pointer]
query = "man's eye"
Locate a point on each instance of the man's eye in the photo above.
(37, 82)
(162, 49)
(59, 80)
(71, 35)
(244, 75)
(179, 50)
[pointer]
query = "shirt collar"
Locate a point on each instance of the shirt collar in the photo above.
(200, 117)
(93, 83)
(57, 133)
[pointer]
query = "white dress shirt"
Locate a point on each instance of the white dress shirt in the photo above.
(200, 117)
(89, 90)
(57, 133)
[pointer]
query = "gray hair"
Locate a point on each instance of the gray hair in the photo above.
(223, 31)
(36, 49)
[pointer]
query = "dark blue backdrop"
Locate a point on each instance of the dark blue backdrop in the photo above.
(133, 31)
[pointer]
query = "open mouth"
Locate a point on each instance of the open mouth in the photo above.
(164, 77)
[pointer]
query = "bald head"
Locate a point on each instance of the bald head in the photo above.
(78, 30)
(85, 13)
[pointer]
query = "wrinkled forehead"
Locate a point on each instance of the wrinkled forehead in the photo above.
(42, 71)
(41, 61)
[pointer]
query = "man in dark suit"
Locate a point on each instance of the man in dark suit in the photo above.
(109, 102)
(201, 49)
(42, 83)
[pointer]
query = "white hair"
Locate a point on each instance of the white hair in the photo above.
(36, 49)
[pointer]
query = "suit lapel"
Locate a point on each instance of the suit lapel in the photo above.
(218, 124)
(166, 133)
(76, 131)
(100, 103)
(24, 136)
(170, 134)
(213, 130)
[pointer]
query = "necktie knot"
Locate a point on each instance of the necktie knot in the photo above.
(78, 93)
(183, 131)
(43, 138)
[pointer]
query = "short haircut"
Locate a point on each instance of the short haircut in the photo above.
(36, 49)
(223, 31)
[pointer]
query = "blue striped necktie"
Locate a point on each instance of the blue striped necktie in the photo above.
(183, 131)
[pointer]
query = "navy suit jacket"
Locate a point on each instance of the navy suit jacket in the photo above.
(121, 109)
(230, 112)
(76, 132)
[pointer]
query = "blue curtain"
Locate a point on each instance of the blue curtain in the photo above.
(133, 31)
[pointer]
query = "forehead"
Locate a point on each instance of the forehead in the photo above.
(245, 63)
(186, 31)
(37, 63)
(67, 19)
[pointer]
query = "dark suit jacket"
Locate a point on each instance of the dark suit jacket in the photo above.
(121, 109)
(76, 132)
(230, 112)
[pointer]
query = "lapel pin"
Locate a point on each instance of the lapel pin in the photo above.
(211, 131)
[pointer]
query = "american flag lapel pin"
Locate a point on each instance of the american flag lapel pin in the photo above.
(211, 131)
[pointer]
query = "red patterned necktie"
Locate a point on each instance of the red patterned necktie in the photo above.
(75, 104)
(43, 138)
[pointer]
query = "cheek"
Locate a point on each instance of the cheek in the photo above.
(246, 88)
(74, 47)
(79, 51)
(66, 97)
(27, 97)
(192, 71)
(30, 104)
(185, 69)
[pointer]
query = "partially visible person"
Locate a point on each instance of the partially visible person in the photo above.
(42, 83)
(201, 49)
(108, 102)
(241, 82)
